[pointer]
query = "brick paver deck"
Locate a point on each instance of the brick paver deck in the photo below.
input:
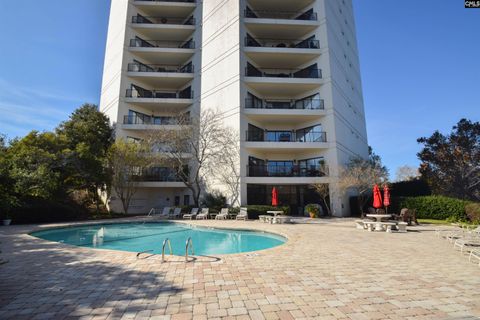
(325, 271)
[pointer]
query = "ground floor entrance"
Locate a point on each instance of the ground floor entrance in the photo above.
(294, 196)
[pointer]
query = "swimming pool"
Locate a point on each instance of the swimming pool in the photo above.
(138, 237)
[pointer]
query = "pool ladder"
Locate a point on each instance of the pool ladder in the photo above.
(188, 244)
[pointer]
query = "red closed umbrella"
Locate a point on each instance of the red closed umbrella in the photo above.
(274, 197)
(386, 197)
(377, 197)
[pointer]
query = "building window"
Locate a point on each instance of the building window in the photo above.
(186, 200)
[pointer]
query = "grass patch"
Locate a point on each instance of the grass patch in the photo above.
(434, 221)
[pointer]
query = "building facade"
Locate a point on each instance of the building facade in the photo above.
(285, 74)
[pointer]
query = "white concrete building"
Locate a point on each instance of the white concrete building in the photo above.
(285, 73)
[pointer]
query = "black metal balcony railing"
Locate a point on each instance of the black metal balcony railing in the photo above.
(285, 136)
(268, 14)
(304, 104)
(147, 120)
(163, 20)
(140, 43)
(286, 171)
(158, 175)
(282, 43)
(135, 93)
(140, 67)
(191, 1)
(284, 73)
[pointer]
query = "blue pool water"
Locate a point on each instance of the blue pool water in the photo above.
(137, 237)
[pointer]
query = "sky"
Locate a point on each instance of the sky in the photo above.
(420, 64)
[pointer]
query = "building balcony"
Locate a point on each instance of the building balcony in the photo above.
(284, 111)
(271, 23)
(283, 141)
(282, 82)
(134, 122)
(286, 171)
(286, 53)
(284, 136)
(164, 76)
(165, 100)
(168, 28)
(163, 51)
(169, 8)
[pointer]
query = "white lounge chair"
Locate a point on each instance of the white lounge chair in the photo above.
(468, 243)
(243, 214)
(203, 214)
(222, 215)
(166, 212)
(192, 214)
(177, 212)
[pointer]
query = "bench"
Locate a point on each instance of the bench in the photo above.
(263, 218)
(475, 254)
(282, 219)
(359, 224)
(369, 225)
(387, 226)
(402, 227)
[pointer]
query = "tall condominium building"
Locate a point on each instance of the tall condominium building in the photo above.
(284, 73)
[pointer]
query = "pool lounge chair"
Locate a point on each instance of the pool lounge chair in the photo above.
(223, 215)
(243, 214)
(177, 212)
(166, 212)
(203, 214)
(467, 243)
(192, 214)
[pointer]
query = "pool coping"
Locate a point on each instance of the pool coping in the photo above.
(53, 226)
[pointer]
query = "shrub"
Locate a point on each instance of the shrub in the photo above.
(313, 210)
(256, 210)
(38, 210)
(215, 201)
(473, 212)
(436, 207)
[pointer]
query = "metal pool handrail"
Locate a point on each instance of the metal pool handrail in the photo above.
(163, 248)
(188, 244)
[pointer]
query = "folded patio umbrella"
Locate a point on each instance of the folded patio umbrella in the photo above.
(377, 197)
(386, 197)
(274, 197)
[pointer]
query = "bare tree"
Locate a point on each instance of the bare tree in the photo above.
(361, 175)
(323, 191)
(126, 161)
(193, 150)
(227, 172)
(406, 173)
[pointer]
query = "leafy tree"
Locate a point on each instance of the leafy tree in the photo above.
(8, 198)
(88, 137)
(451, 163)
(126, 160)
(36, 165)
(361, 175)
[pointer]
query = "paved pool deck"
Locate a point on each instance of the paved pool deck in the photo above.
(326, 270)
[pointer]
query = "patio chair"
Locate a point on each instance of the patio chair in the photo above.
(203, 214)
(243, 214)
(467, 243)
(166, 212)
(177, 212)
(191, 215)
(222, 215)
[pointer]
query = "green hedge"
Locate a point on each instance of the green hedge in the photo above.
(436, 207)
(473, 212)
(256, 210)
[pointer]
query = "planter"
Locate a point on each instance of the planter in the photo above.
(6, 222)
(312, 215)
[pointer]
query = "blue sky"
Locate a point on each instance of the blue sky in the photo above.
(420, 63)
